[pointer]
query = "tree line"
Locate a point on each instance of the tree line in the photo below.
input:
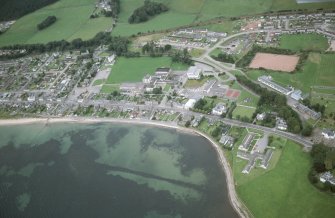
(119, 45)
(275, 102)
(46, 22)
(223, 57)
(14, 9)
(148, 10)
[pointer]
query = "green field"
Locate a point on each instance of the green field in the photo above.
(73, 18)
(318, 71)
(72, 22)
(183, 12)
(304, 42)
(283, 191)
(243, 112)
(134, 69)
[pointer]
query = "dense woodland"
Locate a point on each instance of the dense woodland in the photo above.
(274, 102)
(148, 10)
(13, 9)
(223, 57)
(323, 158)
(46, 22)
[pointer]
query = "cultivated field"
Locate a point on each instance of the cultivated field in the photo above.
(285, 63)
(72, 22)
(134, 69)
(304, 42)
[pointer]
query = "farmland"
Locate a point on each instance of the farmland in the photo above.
(134, 69)
(285, 63)
(304, 42)
(317, 71)
(183, 12)
(281, 189)
(67, 27)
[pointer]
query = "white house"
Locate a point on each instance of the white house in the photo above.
(328, 134)
(190, 104)
(219, 109)
(194, 72)
(261, 116)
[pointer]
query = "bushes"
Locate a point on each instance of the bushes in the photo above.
(224, 58)
(46, 23)
(145, 12)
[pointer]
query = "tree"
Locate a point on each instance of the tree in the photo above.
(307, 130)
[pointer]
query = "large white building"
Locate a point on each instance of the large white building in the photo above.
(194, 72)
(267, 80)
(190, 104)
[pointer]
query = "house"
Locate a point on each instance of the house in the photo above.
(327, 177)
(190, 104)
(31, 98)
(194, 72)
(227, 140)
(110, 59)
(328, 134)
(162, 72)
(261, 116)
(281, 124)
(147, 79)
(296, 95)
(219, 109)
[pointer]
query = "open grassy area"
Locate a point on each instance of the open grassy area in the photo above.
(183, 12)
(134, 69)
(109, 88)
(285, 190)
(318, 71)
(72, 22)
(304, 42)
(246, 98)
(243, 111)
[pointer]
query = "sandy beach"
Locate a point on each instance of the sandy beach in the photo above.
(240, 208)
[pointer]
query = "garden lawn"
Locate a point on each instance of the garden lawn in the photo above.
(72, 22)
(134, 69)
(304, 42)
(285, 191)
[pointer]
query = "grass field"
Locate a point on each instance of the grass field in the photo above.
(318, 71)
(73, 18)
(243, 112)
(285, 190)
(303, 42)
(72, 22)
(183, 12)
(134, 69)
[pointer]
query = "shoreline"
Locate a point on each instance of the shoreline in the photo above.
(235, 202)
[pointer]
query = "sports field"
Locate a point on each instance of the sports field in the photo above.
(134, 69)
(304, 42)
(283, 191)
(285, 63)
(72, 22)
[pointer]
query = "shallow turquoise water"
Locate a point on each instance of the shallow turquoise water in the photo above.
(108, 170)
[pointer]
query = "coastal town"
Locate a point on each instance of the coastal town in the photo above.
(250, 89)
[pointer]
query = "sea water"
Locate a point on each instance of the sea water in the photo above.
(108, 170)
